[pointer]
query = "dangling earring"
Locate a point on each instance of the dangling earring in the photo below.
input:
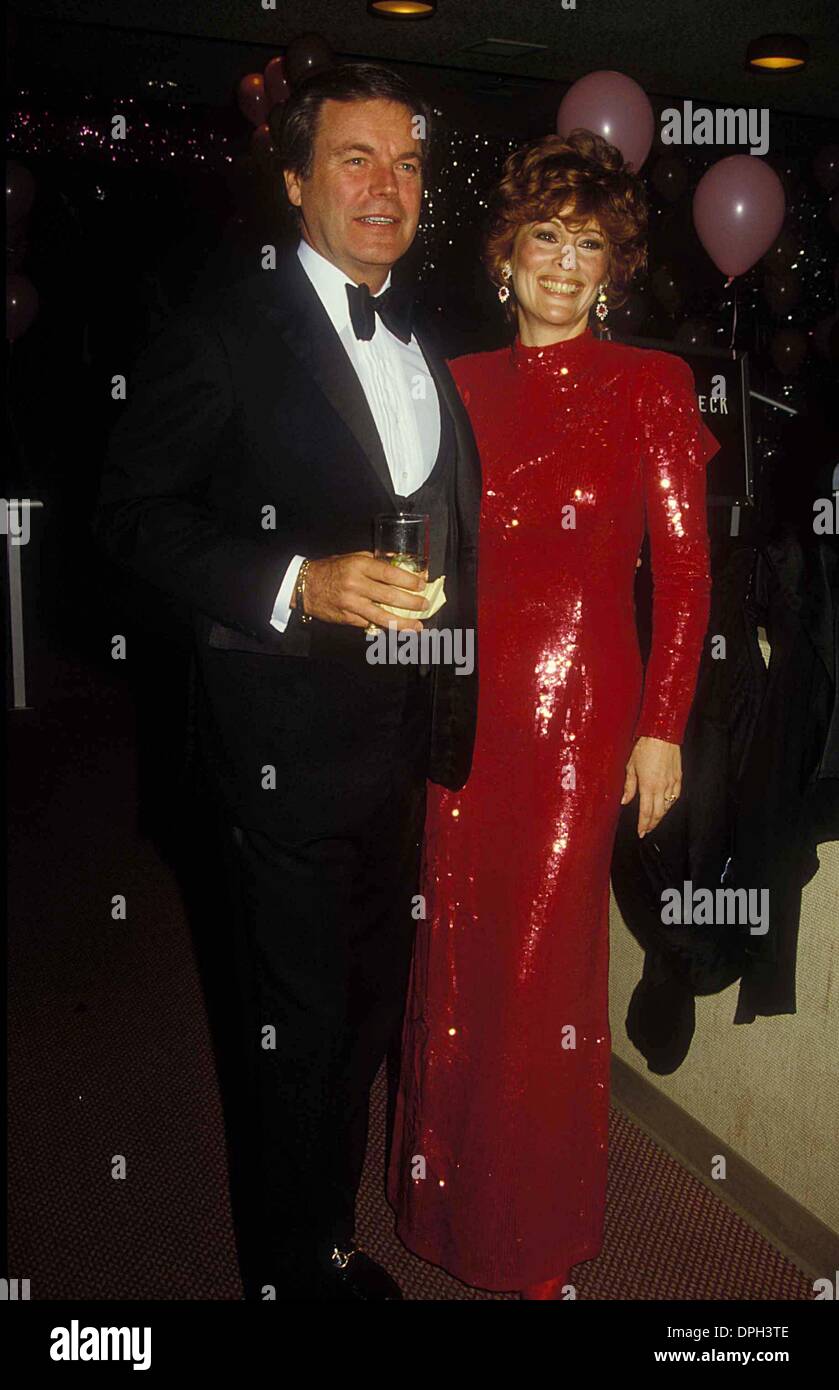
(602, 307)
(504, 290)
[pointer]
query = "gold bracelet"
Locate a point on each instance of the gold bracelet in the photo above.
(298, 592)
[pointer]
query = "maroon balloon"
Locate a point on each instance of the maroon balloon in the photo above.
(669, 177)
(277, 89)
(631, 314)
(250, 95)
(826, 337)
(261, 143)
(694, 333)
(16, 249)
(611, 105)
(309, 53)
(782, 253)
(782, 291)
(826, 168)
(738, 209)
(21, 305)
(788, 349)
(789, 172)
(20, 191)
(666, 289)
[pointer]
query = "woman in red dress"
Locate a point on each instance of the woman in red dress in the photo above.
(498, 1163)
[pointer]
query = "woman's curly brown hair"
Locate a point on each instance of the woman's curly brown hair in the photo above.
(588, 173)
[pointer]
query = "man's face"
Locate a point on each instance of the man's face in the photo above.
(366, 163)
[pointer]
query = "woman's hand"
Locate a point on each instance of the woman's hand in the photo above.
(654, 771)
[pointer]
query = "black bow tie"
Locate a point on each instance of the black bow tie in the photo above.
(395, 308)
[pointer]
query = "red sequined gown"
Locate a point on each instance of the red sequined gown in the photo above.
(498, 1165)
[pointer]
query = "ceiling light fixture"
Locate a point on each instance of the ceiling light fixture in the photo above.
(402, 9)
(777, 53)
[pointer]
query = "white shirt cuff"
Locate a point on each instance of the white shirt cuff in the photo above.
(282, 604)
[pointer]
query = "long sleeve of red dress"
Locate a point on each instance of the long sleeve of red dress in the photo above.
(676, 446)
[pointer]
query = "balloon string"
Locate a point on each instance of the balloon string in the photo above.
(734, 318)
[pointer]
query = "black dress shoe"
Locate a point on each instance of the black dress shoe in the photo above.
(358, 1277)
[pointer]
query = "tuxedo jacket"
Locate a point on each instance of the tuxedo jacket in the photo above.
(246, 407)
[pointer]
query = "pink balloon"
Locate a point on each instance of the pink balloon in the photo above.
(611, 105)
(20, 190)
(251, 97)
(738, 209)
(277, 89)
(21, 305)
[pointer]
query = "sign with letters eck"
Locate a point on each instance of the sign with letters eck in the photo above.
(722, 394)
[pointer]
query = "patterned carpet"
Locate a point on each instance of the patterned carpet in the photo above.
(117, 1157)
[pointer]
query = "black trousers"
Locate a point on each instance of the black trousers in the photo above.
(317, 936)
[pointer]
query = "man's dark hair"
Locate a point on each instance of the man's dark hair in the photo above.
(294, 123)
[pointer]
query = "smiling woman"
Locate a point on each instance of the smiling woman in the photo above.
(565, 219)
(556, 273)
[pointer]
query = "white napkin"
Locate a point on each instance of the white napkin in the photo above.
(435, 598)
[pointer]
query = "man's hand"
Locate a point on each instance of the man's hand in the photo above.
(350, 588)
(654, 771)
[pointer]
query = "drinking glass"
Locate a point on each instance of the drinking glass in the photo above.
(403, 539)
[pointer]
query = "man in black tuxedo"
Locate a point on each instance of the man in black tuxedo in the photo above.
(264, 430)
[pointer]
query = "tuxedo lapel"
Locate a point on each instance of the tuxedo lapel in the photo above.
(307, 329)
(295, 308)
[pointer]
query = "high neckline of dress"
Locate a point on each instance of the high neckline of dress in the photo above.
(563, 351)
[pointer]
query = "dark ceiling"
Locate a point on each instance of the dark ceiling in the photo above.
(681, 48)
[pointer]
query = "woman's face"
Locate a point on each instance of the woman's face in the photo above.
(556, 276)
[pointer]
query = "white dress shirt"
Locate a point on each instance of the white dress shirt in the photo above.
(399, 390)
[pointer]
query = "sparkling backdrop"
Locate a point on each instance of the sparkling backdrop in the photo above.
(683, 297)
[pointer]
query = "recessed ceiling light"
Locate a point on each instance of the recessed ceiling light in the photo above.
(402, 9)
(777, 53)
